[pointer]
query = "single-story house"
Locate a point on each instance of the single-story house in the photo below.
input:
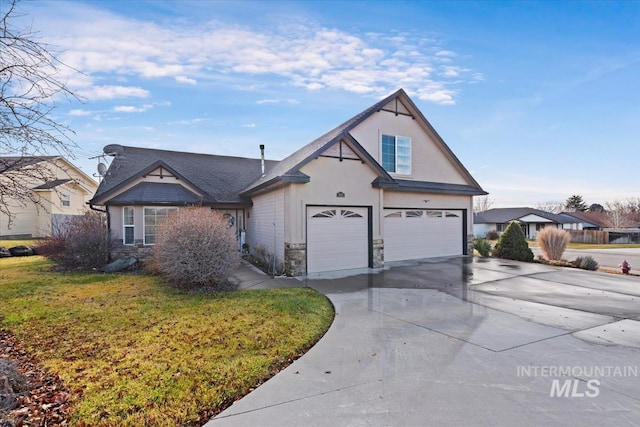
(588, 220)
(382, 186)
(57, 190)
(531, 220)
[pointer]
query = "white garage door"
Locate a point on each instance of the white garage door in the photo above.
(421, 233)
(337, 238)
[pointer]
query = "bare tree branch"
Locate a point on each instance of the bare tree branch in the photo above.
(31, 83)
(482, 203)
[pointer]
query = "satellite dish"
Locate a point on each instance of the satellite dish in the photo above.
(102, 169)
(113, 150)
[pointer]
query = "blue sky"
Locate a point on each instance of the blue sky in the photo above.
(539, 100)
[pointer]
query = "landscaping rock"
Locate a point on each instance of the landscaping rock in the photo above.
(4, 252)
(21, 251)
(120, 265)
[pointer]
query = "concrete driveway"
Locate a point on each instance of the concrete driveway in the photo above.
(463, 341)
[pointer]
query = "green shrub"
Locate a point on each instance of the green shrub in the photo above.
(513, 244)
(586, 263)
(482, 246)
(553, 241)
(195, 247)
(492, 235)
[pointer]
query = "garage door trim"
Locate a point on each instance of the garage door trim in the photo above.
(463, 213)
(369, 228)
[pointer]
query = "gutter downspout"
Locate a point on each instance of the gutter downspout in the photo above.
(108, 224)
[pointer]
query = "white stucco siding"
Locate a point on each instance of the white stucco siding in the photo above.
(265, 222)
(481, 230)
(329, 177)
(428, 161)
(534, 218)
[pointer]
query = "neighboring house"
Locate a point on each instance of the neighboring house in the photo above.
(61, 188)
(531, 220)
(383, 186)
(588, 220)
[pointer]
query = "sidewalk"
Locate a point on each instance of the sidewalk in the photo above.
(250, 277)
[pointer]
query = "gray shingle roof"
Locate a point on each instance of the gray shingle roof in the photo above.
(155, 193)
(8, 163)
(219, 178)
(227, 179)
(51, 184)
(437, 187)
(504, 215)
(289, 166)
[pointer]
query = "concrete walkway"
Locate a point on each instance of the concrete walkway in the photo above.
(249, 276)
(461, 341)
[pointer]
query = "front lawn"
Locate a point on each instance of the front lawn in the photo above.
(134, 351)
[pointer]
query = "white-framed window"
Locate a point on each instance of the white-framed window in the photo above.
(396, 154)
(65, 200)
(128, 228)
(153, 217)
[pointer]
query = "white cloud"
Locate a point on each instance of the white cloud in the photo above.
(107, 46)
(132, 109)
(189, 121)
(111, 92)
(277, 101)
(186, 80)
(78, 112)
(446, 54)
(249, 125)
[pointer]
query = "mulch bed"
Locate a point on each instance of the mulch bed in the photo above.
(29, 394)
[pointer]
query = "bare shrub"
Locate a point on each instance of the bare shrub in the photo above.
(553, 241)
(195, 247)
(492, 235)
(82, 243)
(586, 263)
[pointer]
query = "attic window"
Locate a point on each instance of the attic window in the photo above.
(65, 200)
(396, 154)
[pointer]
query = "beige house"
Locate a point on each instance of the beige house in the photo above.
(381, 187)
(60, 188)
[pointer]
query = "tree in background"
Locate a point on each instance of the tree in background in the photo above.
(619, 215)
(31, 80)
(575, 203)
(552, 206)
(482, 203)
(596, 207)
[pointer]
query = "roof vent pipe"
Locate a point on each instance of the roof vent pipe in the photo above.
(262, 157)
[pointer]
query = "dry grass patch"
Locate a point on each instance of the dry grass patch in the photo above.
(134, 351)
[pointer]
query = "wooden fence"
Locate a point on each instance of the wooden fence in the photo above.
(589, 236)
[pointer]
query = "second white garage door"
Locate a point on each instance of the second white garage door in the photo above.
(337, 238)
(414, 234)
